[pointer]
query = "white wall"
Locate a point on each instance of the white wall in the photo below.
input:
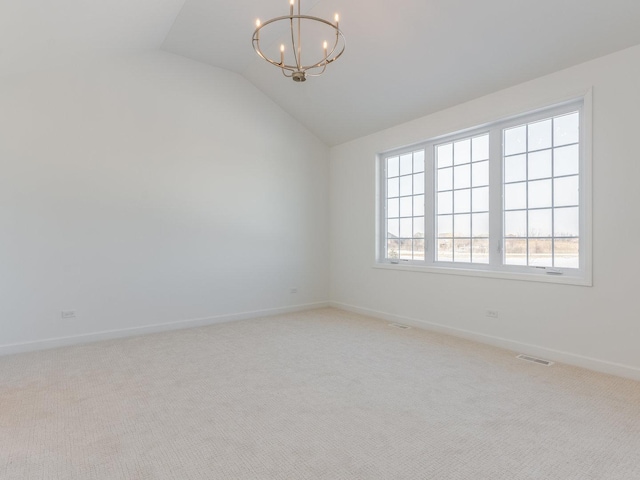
(149, 189)
(597, 327)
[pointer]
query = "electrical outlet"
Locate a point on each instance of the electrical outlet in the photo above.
(68, 314)
(293, 290)
(491, 314)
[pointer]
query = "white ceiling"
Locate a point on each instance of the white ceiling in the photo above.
(403, 59)
(34, 33)
(408, 58)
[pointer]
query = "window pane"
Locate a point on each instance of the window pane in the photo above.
(480, 224)
(540, 223)
(540, 194)
(462, 176)
(418, 227)
(445, 179)
(515, 168)
(406, 185)
(515, 196)
(479, 250)
(406, 227)
(462, 152)
(393, 187)
(565, 160)
(567, 253)
(480, 148)
(445, 250)
(406, 164)
(393, 167)
(445, 202)
(445, 225)
(481, 199)
(566, 129)
(393, 249)
(418, 183)
(462, 201)
(405, 207)
(406, 249)
(393, 207)
(515, 252)
(480, 174)
(566, 222)
(393, 228)
(540, 135)
(445, 155)
(462, 225)
(462, 250)
(515, 140)
(540, 252)
(540, 164)
(515, 223)
(418, 205)
(418, 161)
(566, 191)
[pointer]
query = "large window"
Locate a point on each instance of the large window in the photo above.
(541, 193)
(509, 198)
(462, 202)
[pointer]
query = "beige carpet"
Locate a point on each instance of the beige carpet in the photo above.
(315, 395)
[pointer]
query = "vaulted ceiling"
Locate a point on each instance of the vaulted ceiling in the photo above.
(34, 33)
(403, 59)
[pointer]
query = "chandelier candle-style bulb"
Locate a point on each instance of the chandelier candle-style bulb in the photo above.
(296, 36)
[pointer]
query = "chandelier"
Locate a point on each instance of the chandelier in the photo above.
(290, 61)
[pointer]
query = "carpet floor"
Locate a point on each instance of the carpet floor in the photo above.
(322, 394)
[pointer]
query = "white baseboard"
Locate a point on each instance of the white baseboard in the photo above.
(590, 363)
(146, 329)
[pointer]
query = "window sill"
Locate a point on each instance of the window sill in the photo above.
(527, 277)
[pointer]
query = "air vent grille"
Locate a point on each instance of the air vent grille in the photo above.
(539, 361)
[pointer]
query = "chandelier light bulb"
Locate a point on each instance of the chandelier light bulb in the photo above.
(258, 23)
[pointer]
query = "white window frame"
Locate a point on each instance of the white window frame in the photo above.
(496, 268)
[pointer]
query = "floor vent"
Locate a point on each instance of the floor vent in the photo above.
(540, 361)
(399, 325)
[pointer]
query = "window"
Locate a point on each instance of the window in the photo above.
(462, 202)
(541, 193)
(405, 206)
(508, 199)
